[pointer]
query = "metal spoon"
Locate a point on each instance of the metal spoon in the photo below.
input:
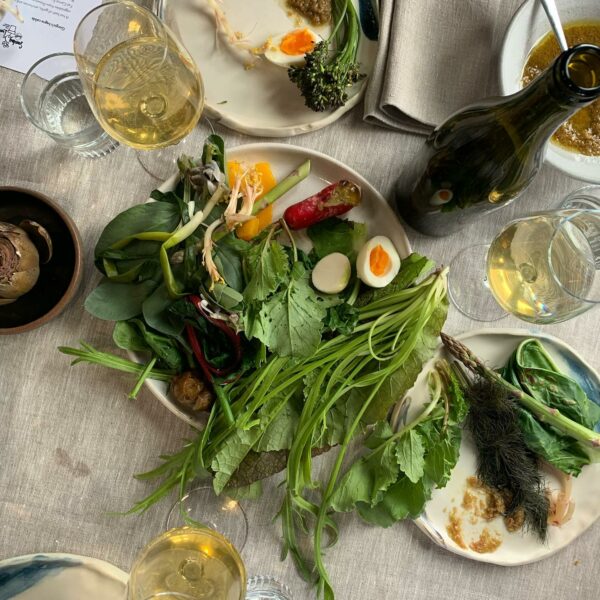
(554, 18)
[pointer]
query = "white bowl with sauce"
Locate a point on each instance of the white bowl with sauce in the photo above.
(525, 30)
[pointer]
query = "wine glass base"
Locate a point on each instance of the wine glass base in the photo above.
(261, 587)
(468, 286)
(201, 507)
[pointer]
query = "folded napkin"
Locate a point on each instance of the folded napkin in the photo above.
(434, 56)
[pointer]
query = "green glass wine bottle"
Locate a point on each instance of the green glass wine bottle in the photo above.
(486, 154)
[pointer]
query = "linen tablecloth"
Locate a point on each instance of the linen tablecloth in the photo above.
(70, 439)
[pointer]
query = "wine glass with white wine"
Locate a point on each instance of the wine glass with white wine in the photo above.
(544, 268)
(140, 82)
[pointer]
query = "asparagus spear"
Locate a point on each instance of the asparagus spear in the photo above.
(588, 438)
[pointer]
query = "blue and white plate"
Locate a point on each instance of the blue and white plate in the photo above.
(494, 347)
(60, 577)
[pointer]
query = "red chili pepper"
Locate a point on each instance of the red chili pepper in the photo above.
(332, 201)
(233, 337)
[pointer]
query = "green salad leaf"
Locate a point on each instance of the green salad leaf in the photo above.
(267, 268)
(337, 235)
(112, 301)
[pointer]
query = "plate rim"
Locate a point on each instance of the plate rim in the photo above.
(103, 566)
(423, 523)
(309, 153)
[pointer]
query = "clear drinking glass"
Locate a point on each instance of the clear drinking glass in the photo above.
(544, 269)
(587, 197)
(53, 99)
(142, 84)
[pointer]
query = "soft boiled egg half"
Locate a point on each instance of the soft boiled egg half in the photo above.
(378, 262)
(288, 49)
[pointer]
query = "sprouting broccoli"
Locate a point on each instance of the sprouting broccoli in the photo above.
(331, 68)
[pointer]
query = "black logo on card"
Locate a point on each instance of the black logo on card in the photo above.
(9, 36)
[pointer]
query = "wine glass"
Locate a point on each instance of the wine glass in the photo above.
(544, 268)
(140, 82)
(197, 563)
(201, 508)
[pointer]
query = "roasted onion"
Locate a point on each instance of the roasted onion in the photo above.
(19, 263)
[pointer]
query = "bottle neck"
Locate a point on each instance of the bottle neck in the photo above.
(572, 82)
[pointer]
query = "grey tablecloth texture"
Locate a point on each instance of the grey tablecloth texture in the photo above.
(70, 439)
(433, 58)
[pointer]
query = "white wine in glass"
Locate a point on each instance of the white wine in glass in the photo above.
(197, 562)
(544, 269)
(140, 81)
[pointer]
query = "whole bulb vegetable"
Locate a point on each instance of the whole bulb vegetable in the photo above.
(19, 263)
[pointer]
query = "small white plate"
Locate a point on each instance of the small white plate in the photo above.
(60, 577)
(261, 100)
(494, 346)
(374, 211)
(526, 28)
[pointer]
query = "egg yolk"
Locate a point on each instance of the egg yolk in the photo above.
(263, 169)
(379, 261)
(299, 41)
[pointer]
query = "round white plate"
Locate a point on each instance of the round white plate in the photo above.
(374, 210)
(526, 28)
(60, 577)
(259, 100)
(495, 346)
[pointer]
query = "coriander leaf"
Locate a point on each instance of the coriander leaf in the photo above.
(337, 235)
(341, 318)
(410, 453)
(267, 267)
(230, 456)
(290, 322)
(152, 216)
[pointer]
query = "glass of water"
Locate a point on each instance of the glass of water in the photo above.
(54, 101)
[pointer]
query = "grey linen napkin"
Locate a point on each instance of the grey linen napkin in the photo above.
(434, 56)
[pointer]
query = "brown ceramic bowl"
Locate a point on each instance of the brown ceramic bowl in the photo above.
(60, 278)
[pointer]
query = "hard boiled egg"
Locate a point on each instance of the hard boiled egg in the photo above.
(289, 48)
(332, 273)
(378, 262)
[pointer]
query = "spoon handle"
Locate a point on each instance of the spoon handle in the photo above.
(554, 18)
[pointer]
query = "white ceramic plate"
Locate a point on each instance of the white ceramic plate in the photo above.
(260, 100)
(60, 577)
(374, 211)
(495, 346)
(526, 28)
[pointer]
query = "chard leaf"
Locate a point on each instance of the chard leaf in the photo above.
(380, 433)
(128, 337)
(152, 216)
(290, 322)
(562, 451)
(113, 301)
(337, 235)
(156, 314)
(267, 266)
(231, 455)
(410, 454)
